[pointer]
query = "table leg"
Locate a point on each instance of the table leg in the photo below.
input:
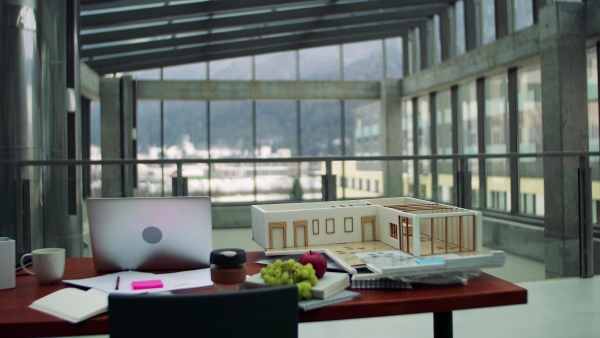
(442, 324)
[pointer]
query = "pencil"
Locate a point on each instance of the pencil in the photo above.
(118, 280)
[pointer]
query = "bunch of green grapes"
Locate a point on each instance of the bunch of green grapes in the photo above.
(290, 272)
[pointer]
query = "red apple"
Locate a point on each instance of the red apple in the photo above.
(317, 260)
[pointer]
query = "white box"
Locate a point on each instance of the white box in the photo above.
(7, 264)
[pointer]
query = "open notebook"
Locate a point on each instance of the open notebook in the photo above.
(73, 305)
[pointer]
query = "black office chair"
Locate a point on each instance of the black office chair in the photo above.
(267, 312)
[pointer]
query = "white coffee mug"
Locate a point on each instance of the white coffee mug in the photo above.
(48, 264)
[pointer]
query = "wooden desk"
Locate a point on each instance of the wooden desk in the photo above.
(18, 320)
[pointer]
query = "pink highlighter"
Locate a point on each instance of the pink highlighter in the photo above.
(147, 284)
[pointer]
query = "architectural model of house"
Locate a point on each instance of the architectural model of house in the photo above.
(390, 236)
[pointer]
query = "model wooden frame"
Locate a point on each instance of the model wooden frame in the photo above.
(418, 227)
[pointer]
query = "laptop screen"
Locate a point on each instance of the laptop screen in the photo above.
(146, 234)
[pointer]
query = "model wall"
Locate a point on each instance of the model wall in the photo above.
(338, 215)
(386, 216)
(258, 230)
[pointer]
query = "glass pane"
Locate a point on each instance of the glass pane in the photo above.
(151, 178)
(363, 61)
(230, 131)
(461, 46)
(531, 169)
(437, 54)
(364, 121)
(424, 148)
(523, 14)
(322, 63)
(320, 128)
(276, 129)
(443, 130)
(488, 21)
(408, 143)
(592, 97)
(276, 66)
(393, 58)
(467, 134)
(186, 136)
(496, 142)
(358, 179)
(231, 137)
(362, 136)
(194, 71)
(231, 69)
(276, 136)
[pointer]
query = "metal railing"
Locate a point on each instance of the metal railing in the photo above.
(462, 178)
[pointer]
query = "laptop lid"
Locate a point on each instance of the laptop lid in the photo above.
(155, 233)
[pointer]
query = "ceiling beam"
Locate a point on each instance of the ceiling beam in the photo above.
(250, 19)
(262, 31)
(173, 60)
(258, 43)
(164, 12)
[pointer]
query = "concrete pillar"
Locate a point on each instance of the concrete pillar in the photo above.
(391, 121)
(563, 66)
(117, 135)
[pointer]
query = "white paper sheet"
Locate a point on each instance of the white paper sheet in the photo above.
(175, 281)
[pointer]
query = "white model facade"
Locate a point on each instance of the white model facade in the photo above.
(417, 227)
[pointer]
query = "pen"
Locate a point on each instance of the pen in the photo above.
(118, 280)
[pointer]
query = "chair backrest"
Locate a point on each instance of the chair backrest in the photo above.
(271, 311)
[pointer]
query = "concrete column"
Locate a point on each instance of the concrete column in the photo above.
(391, 121)
(117, 133)
(563, 66)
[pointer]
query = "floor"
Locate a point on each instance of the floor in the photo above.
(556, 308)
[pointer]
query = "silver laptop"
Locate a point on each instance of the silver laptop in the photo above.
(165, 233)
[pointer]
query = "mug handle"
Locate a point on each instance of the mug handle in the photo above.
(23, 264)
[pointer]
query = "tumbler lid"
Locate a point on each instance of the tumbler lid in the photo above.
(228, 257)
